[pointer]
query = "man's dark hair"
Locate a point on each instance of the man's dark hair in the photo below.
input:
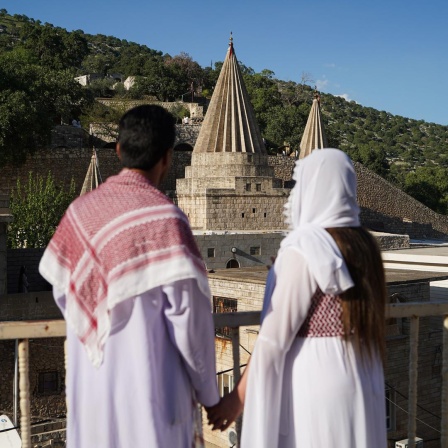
(145, 134)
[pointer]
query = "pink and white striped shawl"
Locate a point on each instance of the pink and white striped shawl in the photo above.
(119, 241)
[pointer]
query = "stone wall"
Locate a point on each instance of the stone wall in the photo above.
(68, 163)
(29, 306)
(29, 258)
(65, 136)
(64, 164)
(386, 208)
(5, 218)
(216, 248)
(383, 207)
(231, 191)
(3, 263)
(196, 110)
(283, 166)
(249, 212)
(105, 134)
(46, 355)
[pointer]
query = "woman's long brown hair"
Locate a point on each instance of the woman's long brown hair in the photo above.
(363, 305)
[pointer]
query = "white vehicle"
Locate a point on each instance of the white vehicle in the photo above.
(11, 438)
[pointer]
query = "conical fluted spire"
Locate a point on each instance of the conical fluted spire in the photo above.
(230, 125)
(314, 134)
(93, 176)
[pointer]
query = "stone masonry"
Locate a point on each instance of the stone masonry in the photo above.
(231, 191)
(5, 218)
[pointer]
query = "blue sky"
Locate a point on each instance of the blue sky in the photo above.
(388, 54)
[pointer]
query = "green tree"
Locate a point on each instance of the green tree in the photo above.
(372, 157)
(429, 185)
(284, 124)
(264, 95)
(158, 82)
(32, 99)
(37, 208)
(97, 63)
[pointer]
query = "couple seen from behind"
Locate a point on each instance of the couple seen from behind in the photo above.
(132, 286)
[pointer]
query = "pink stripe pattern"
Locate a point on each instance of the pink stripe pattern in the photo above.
(122, 229)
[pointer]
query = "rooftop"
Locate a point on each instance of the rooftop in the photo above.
(393, 276)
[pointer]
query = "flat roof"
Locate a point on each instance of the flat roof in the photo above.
(259, 274)
(439, 251)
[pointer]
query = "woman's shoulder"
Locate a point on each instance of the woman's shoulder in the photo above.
(291, 255)
(292, 264)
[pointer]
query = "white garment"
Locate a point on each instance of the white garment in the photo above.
(308, 392)
(160, 350)
(324, 196)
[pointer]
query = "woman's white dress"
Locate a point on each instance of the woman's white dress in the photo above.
(308, 392)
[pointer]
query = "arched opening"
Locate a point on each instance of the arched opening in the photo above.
(232, 264)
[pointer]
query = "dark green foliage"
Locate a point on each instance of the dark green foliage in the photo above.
(37, 208)
(55, 48)
(33, 98)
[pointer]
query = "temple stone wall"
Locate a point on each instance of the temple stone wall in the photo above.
(225, 209)
(251, 248)
(231, 191)
(388, 209)
(227, 212)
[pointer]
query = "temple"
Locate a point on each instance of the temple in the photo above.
(230, 185)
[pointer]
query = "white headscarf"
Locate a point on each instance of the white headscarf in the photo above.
(324, 196)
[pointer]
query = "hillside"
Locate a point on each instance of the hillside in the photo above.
(413, 154)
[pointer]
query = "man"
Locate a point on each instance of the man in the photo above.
(132, 286)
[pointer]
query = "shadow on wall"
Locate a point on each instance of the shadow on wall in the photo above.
(243, 254)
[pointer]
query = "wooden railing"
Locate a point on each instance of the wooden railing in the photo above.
(25, 330)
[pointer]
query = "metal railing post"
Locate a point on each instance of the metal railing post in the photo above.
(235, 332)
(15, 392)
(66, 366)
(413, 376)
(444, 428)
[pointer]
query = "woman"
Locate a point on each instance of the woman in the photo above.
(316, 374)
